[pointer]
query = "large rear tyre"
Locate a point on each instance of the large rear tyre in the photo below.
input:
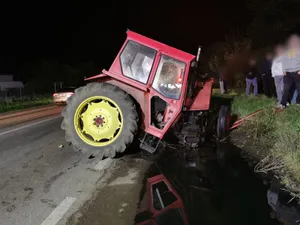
(100, 119)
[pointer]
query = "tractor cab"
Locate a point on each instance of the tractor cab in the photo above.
(159, 78)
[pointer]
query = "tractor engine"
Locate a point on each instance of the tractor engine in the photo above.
(191, 129)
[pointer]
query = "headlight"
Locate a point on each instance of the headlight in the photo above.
(69, 95)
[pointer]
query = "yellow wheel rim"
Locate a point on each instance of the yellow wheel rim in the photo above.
(98, 121)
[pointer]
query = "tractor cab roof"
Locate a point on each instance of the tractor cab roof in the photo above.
(165, 49)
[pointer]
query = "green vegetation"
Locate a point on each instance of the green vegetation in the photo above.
(272, 137)
(24, 103)
(243, 105)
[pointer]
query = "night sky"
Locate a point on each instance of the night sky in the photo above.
(73, 33)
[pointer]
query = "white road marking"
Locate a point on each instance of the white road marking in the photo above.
(103, 164)
(29, 125)
(59, 211)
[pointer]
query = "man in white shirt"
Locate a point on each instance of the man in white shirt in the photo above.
(291, 69)
(277, 71)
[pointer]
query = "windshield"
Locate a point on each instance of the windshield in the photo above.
(169, 77)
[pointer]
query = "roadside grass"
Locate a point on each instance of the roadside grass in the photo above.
(243, 105)
(230, 93)
(24, 103)
(274, 138)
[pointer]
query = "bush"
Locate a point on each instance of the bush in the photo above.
(25, 102)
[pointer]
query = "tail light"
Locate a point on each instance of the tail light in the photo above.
(179, 80)
(55, 94)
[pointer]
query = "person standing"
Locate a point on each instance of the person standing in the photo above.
(223, 81)
(251, 77)
(294, 94)
(277, 72)
(266, 74)
(291, 69)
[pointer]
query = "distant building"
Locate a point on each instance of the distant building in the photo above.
(10, 88)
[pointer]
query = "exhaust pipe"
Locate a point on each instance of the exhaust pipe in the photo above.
(198, 54)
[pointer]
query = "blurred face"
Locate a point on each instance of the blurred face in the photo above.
(269, 56)
(252, 62)
(294, 42)
(279, 50)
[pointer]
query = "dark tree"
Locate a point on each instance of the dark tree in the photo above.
(273, 20)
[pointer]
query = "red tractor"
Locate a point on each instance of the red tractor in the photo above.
(150, 87)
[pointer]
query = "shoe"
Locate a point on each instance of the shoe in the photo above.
(280, 106)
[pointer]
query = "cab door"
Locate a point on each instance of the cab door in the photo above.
(166, 96)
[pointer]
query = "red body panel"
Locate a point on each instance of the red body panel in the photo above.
(202, 100)
(177, 204)
(158, 46)
(144, 92)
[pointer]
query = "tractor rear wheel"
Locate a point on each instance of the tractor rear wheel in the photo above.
(100, 119)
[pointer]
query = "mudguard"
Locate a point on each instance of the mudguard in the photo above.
(202, 100)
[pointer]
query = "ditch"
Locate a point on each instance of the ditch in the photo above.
(216, 185)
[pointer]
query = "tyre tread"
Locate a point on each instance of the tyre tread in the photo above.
(125, 138)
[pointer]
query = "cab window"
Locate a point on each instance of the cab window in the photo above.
(136, 61)
(169, 76)
(162, 196)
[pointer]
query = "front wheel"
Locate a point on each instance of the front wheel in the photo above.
(223, 124)
(100, 119)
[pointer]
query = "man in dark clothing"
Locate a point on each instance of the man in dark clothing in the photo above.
(266, 74)
(291, 69)
(251, 77)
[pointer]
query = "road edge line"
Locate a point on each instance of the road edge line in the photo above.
(29, 125)
(59, 211)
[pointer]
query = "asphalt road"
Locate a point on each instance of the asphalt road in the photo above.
(43, 183)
